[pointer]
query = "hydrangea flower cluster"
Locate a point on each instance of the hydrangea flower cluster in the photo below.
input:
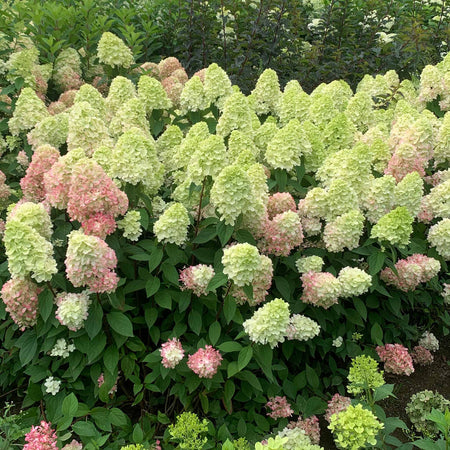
(90, 262)
(378, 200)
(355, 427)
(353, 282)
(74, 445)
(394, 227)
(52, 385)
(112, 51)
(446, 293)
(422, 356)
(337, 404)
(280, 202)
(72, 309)
(302, 328)
(53, 131)
(344, 231)
(205, 361)
(320, 289)
(20, 296)
(396, 359)
(310, 426)
(131, 225)
(241, 263)
(412, 271)
(364, 374)
(172, 225)
(279, 407)
(189, 430)
(429, 341)
(309, 264)
(269, 323)
(172, 353)
(67, 70)
(439, 237)
(197, 278)
(282, 234)
(296, 438)
(41, 437)
(436, 203)
(62, 348)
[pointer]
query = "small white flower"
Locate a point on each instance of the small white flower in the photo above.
(338, 341)
(52, 386)
(62, 349)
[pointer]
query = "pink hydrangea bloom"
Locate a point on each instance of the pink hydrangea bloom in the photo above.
(99, 224)
(205, 361)
(422, 356)
(320, 289)
(412, 271)
(74, 445)
(399, 167)
(172, 353)
(22, 159)
(32, 183)
(396, 359)
(279, 407)
(21, 299)
(42, 437)
(282, 234)
(310, 426)
(337, 404)
(90, 262)
(197, 278)
(4, 188)
(280, 202)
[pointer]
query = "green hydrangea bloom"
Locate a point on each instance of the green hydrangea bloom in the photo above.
(236, 115)
(189, 145)
(88, 93)
(86, 129)
(408, 193)
(29, 111)
(52, 130)
(23, 64)
(120, 91)
(172, 225)
(193, 97)
(309, 263)
(377, 138)
(217, 85)
(316, 154)
(286, 147)
(112, 51)
(379, 200)
(188, 431)
(239, 142)
(266, 94)
(264, 134)
(67, 70)
(276, 443)
(231, 193)
(442, 148)
(437, 202)
(439, 237)
(131, 225)
(241, 263)
(344, 231)
(294, 103)
(364, 374)
(133, 447)
(394, 227)
(340, 198)
(166, 146)
(130, 114)
(354, 282)
(33, 215)
(355, 428)
(297, 440)
(321, 110)
(339, 133)
(152, 94)
(360, 111)
(269, 323)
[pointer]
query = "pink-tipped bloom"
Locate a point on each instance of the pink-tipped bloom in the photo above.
(172, 353)
(197, 278)
(280, 202)
(205, 361)
(4, 188)
(22, 159)
(310, 426)
(422, 356)
(337, 404)
(42, 437)
(21, 299)
(279, 407)
(32, 183)
(320, 289)
(99, 224)
(396, 359)
(74, 445)
(411, 271)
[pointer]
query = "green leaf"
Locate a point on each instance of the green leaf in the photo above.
(243, 236)
(70, 405)
(376, 333)
(195, 321)
(214, 332)
(230, 346)
(120, 323)
(152, 286)
(118, 418)
(45, 304)
(376, 262)
(248, 291)
(205, 235)
(156, 258)
(228, 391)
(360, 307)
(251, 378)
(311, 376)
(224, 232)
(283, 287)
(164, 299)
(229, 308)
(84, 429)
(245, 356)
(94, 321)
(138, 434)
(427, 444)
(111, 358)
(263, 356)
(150, 315)
(28, 346)
(313, 406)
(383, 392)
(218, 280)
(170, 272)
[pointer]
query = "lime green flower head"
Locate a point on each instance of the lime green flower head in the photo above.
(239, 142)
(439, 237)
(120, 91)
(112, 51)
(232, 193)
(29, 111)
(189, 145)
(316, 154)
(236, 115)
(166, 146)
(294, 103)
(264, 134)
(152, 94)
(309, 263)
(133, 447)
(344, 231)
(276, 443)
(88, 93)
(267, 93)
(217, 85)
(340, 198)
(23, 64)
(378, 199)
(241, 263)
(286, 147)
(339, 133)
(52, 130)
(354, 281)
(172, 225)
(188, 431)
(394, 227)
(442, 147)
(355, 428)
(67, 70)
(131, 114)
(131, 225)
(33, 215)
(408, 193)
(193, 97)
(364, 374)
(360, 111)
